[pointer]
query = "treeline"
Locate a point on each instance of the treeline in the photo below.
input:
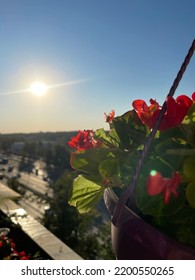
(37, 136)
(50, 147)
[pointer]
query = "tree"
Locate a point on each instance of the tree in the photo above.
(80, 232)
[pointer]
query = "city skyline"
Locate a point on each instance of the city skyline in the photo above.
(93, 56)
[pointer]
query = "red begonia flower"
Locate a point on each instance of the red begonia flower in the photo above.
(144, 111)
(109, 118)
(83, 140)
(175, 112)
(193, 96)
(24, 258)
(156, 184)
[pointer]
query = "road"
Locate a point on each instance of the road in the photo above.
(35, 183)
(33, 205)
(34, 187)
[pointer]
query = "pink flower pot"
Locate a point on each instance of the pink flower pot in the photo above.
(135, 239)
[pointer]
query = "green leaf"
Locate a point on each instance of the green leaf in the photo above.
(162, 147)
(180, 225)
(106, 138)
(189, 168)
(110, 173)
(188, 126)
(190, 115)
(115, 138)
(88, 160)
(190, 194)
(154, 205)
(181, 152)
(85, 193)
(109, 168)
(130, 130)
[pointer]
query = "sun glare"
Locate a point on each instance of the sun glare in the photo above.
(38, 88)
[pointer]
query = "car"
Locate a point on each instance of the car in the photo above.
(16, 176)
(46, 178)
(2, 169)
(10, 168)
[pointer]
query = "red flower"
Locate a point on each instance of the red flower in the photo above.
(22, 254)
(145, 112)
(24, 258)
(193, 96)
(156, 184)
(175, 112)
(13, 245)
(83, 140)
(109, 118)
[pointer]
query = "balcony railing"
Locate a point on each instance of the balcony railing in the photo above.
(46, 240)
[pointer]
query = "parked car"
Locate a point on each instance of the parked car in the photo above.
(10, 168)
(2, 169)
(16, 176)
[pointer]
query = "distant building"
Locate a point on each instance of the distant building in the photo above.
(17, 147)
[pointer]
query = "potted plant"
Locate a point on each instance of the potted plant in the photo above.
(147, 159)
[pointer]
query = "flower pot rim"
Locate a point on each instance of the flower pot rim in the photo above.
(110, 194)
(148, 235)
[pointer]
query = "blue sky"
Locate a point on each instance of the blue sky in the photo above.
(115, 51)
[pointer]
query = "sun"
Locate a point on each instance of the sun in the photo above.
(38, 88)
